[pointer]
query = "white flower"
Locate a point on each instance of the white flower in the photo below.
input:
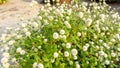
(52, 60)
(13, 60)
(68, 45)
(87, 45)
(22, 52)
(69, 11)
(35, 65)
(107, 62)
(113, 54)
(50, 18)
(40, 65)
(118, 49)
(7, 55)
(102, 16)
(27, 33)
(11, 42)
(64, 37)
(23, 25)
(35, 24)
(67, 17)
(101, 53)
(62, 32)
(88, 22)
(78, 34)
(67, 24)
(112, 40)
(63, 44)
(66, 53)
(80, 14)
(39, 47)
(45, 40)
(74, 52)
(18, 50)
(40, 17)
(19, 36)
(77, 66)
(75, 57)
(55, 55)
(25, 29)
(35, 49)
(6, 65)
(117, 36)
(85, 48)
(55, 35)
(4, 60)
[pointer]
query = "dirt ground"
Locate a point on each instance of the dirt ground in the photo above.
(12, 11)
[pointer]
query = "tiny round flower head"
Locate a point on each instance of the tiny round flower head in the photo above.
(112, 40)
(55, 55)
(78, 34)
(52, 60)
(27, 33)
(35, 65)
(85, 48)
(62, 32)
(19, 36)
(67, 24)
(40, 65)
(11, 42)
(55, 35)
(39, 47)
(4, 60)
(23, 25)
(22, 52)
(45, 40)
(13, 60)
(7, 55)
(68, 45)
(107, 62)
(113, 54)
(66, 53)
(6, 65)
(118, 49)
(18, 50)
(74, 52)
(75, 57)
(40, 17)
(80, 14)
(35, 24)
(88, 22)
(77, 66)
(25, 30)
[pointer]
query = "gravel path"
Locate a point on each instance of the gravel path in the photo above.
(13, 10)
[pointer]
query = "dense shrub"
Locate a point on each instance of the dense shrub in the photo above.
(66, 36)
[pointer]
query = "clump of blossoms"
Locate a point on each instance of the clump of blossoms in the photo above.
(66, 36)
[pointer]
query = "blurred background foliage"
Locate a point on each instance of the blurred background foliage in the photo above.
(2, 1)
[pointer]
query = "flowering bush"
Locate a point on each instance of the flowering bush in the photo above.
(66, 36)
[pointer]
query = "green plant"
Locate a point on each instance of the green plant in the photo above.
(66, 36)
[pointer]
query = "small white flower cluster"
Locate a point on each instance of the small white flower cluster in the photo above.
(67, 24)
(61, 35)
(5, 60)
(85, 47)
(38, 65)
(74, 53)
(20, 50)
